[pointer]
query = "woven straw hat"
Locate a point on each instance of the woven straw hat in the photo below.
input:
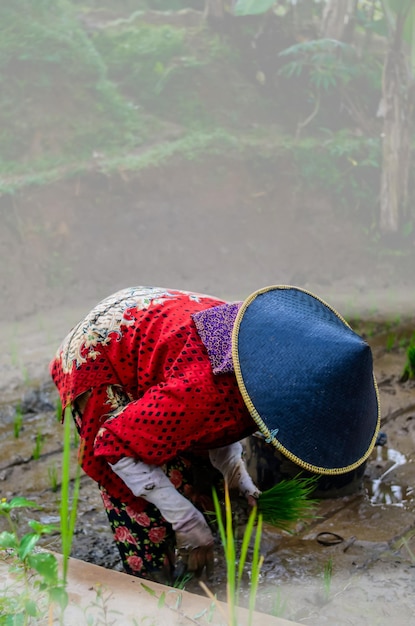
(307, 379)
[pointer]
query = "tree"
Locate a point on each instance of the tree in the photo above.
(397, 110)
(338, 19)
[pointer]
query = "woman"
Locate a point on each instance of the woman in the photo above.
(164, 384)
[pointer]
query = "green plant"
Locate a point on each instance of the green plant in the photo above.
(234, 568)
(53, 477)
(279, 606)
(18, 602)
(56, 99)
(34, 587)
(390, 341)
(17, 421)
(288, 502)
(139, 55)
(39, 441)
(409, 369)
(176, 596)
(100, 603)
(68, 504)
(165, 69)
(253, 7)
(342, 165)
(327, 578)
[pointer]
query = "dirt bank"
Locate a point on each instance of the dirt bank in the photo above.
(213, 227)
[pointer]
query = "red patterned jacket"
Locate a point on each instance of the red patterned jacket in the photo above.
(154, 395)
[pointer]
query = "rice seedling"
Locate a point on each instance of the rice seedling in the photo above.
(288, 502)
(17, 422)
(39, 441)
(68, 513)
(37, 449)
(390, 342)
(279, 606)
(53, 477)
(234, 567)
(409, 369)
(327, 578)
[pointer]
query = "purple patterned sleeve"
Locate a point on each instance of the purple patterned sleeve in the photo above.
(215, 326)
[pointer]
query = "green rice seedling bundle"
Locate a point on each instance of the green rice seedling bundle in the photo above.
(288, 502)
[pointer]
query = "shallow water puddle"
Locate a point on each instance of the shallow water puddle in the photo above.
(381, 492)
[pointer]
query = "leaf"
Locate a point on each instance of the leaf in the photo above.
(27, 543)
(46, 565)
(59, 595)
(8, 540)
(42, 529)
(19, 502)
(253, 7)
(31, 608)
(149, 590)
(162, 600)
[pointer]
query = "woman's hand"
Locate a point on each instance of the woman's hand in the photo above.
(229, 461)
(194, 542)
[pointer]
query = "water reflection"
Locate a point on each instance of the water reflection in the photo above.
(380, 492)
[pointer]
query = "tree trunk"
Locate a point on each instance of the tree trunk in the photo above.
(338, 16)
(215, 9)
(397, 109)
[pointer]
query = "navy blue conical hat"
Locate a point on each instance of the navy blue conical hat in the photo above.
(307, 379)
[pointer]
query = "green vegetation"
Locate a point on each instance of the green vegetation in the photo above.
(288, 502)
(111, 86)
(37, 588)
(327, 579)
(37, 570)
(164, 69)
(17, 422)
(53, 477)
(69, 501)
(39, 441)
(409, 369)
(343, 166)
(56, 103)
(235, 564)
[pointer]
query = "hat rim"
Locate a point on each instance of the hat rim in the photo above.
(270, 436)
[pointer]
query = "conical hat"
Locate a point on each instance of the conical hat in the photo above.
(306, 378)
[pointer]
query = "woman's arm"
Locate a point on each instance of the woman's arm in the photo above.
(193, 535)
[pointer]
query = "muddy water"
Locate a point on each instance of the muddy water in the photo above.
(353, 564)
